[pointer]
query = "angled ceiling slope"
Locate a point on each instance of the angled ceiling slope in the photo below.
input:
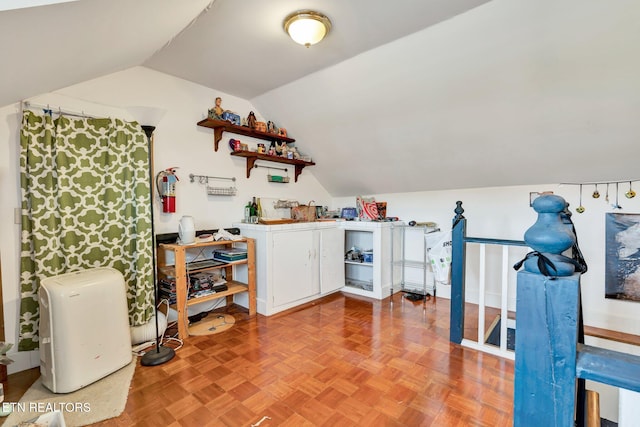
(52, 46)
(22, 4)
(244, 51)
(509, 93)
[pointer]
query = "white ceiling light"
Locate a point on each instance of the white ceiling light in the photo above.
(307, 27)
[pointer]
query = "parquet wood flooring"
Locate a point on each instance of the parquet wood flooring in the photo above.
(341, 361)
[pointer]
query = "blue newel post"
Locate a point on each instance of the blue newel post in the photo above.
(548, 317)
(458, 262)
(550, 236)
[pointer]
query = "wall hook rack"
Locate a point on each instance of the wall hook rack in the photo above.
(252, 157)
(600, 182)
(215, 191)
(596, 194)
(270, 167)
(275, 178)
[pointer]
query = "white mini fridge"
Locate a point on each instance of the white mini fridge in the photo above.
(84, 328)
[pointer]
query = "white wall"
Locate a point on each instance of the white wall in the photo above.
(504, 212)
(178, 141)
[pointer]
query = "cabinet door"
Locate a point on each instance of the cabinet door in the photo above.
(331, 259)
(295, 266)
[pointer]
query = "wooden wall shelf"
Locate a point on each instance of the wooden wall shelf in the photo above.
(221, 126)
(253, 156)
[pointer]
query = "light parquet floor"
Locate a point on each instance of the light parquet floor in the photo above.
(341, 361)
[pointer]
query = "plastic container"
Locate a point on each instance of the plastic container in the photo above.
(367, 256)
(349, 213)
(186, 230)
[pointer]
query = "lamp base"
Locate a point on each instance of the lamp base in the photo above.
(157, 356)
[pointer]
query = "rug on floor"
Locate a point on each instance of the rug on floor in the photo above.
(212, 324)
(104, 399)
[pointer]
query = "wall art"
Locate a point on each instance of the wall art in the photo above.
(622, 270)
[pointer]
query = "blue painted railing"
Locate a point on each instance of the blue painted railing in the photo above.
(459, 239)
(551, 363)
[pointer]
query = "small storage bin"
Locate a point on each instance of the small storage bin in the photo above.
(349, 213)
(367, 256)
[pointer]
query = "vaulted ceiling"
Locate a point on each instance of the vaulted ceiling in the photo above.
(401, 96)
(239, 48)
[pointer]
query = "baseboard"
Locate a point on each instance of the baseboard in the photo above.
(23, 360)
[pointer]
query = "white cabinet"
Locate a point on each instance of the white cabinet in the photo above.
(371, 279)
(331, 249)
(295, 263)
(294, 266)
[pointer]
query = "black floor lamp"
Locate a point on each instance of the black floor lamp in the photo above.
(161, 354)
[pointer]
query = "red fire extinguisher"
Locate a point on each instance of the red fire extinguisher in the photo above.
(166, 183)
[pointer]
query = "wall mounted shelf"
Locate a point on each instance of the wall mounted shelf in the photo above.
(252, 156)
(221, 126)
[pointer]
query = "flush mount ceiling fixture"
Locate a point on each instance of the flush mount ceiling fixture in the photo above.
(307, 27)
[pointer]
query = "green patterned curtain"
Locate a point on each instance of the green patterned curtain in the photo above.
(85, 204)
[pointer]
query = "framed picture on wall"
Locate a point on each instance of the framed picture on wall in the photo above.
(622, 264)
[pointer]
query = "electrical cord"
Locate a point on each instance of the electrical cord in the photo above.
(214, 304)
(142, 348)
(196, 256)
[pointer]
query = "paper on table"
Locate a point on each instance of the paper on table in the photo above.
(225, 235)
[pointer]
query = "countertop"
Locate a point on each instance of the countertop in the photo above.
(314, 225)
(292, 226)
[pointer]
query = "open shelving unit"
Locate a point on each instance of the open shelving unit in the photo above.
(410, 259)
(370, 279)
(359, 275)
(178, 273)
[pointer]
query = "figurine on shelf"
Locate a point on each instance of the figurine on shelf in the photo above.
(284, 150)
(282, 132)
(295, 153)
(261, 127)
(278, 147)
(272, 149)
(231, 117)
(216, 112)
(271, 127)
(251, 120)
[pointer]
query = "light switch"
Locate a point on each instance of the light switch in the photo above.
(17, 216)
